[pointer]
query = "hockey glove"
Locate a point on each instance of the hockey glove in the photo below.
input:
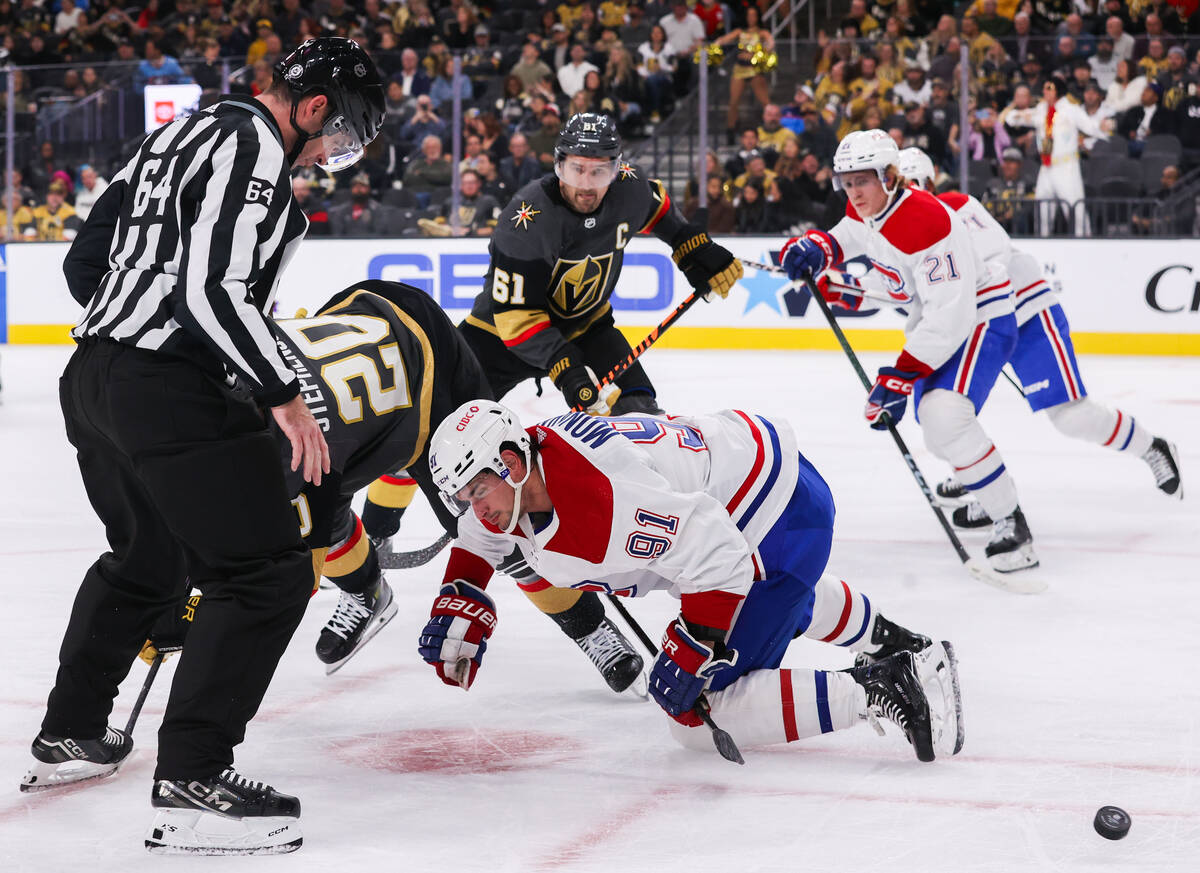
(838, 298)
(581, 389)
(169, 633)
(708, 267)
(683, 669)
(893, 386)
(456, 635)
(805, 256)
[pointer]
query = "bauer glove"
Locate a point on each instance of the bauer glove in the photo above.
(456, 635)
(683, 669)
(708, 267)
(169, 633)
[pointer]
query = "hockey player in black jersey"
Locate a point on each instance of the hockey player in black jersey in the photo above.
(556, 256)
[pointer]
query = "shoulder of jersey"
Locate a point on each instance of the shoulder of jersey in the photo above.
(956, 200)
(529, 216)
(919, 222)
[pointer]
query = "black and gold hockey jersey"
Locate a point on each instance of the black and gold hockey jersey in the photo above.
(380, 365)
(553, 269)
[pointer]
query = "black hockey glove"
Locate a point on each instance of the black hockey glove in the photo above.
(580, 388)
(168, 635)
(706, 265)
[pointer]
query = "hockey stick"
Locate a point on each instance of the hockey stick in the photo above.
(141, 698)
(389, 560)
(857, 291)
(1017, 585)
(651, 339)
(721, 739)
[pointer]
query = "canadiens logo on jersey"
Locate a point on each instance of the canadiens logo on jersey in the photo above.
(579, 285)
(894, 281)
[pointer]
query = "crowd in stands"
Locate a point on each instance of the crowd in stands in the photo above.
(1132, 65)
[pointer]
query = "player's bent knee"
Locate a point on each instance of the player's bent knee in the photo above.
(949, 425)
(1082, 419)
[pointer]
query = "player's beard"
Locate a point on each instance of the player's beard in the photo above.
(583, 200)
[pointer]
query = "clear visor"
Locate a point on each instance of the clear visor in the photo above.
(341, 146)
(478, 488)
(587, 173)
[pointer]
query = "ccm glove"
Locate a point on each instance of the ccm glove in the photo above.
(805, 256)
(581, 389)
(683, 669)
(456, 635)
(838, 298)
(707, 266)
(168, 635)
(893, 386)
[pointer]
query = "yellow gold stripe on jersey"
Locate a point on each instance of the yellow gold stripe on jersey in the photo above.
(425, 402)
(664, 203)
(553, 600)
(391, 495)
(515, 325)
(318, 560)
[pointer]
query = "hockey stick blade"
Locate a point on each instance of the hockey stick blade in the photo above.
(1014, 583)
(721, 739)
(407, 560)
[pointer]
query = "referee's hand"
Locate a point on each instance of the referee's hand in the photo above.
(308, 443)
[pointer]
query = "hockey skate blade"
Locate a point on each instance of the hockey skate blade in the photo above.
(194, 832)
(377, 624)
(938, 672)
(639, 688)
(1014, 583)
(43, 777)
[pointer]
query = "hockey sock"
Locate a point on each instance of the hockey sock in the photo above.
(1089, 420)
(352, 564)
(387, 498)
(577, 613)
(778, 706)
(953, 433)
(840, 615)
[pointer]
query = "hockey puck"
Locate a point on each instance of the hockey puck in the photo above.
(1112, 822)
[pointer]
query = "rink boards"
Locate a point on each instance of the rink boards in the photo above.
(1134, 297)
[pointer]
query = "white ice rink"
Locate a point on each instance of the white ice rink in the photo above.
(1083, 696)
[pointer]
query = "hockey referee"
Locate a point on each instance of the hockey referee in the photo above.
(177, 267)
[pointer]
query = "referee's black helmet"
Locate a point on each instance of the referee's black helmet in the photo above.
(338, 68)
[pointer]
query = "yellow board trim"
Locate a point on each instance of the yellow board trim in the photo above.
(773, 338)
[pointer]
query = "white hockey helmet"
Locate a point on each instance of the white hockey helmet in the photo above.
(865, 150)
(915, 166)
(468, 442)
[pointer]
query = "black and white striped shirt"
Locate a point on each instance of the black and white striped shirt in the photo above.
(182, 253)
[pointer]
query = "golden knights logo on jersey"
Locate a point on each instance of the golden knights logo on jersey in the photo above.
(578, 285)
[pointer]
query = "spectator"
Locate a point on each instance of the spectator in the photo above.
(494, 185)
(257, 50)
(1009, 197)
(481, 61)
(656, 66)
(942, 112)
(721, 215)
(712, 15)
(37, 53)
(362, 216)
(1154, 63)
(1189, 130)
(431, 170)
(945, 65)
(425, 122)
(1022, 42)
(1170, 215)
(17, 185)
(541, 141)
(476, 210)
(460, 32)
(572, 75)
(1123, 43)
(55, 220)
(623, 86)
(558, 54)
(1058, 123)
(637, 27)
(685, 34)
(1176, 80)
(521, 166)
(91, 186)
(1125, 92)
(750, 213)
(737, 164)
(1085, 43)
(920, 132)
(756, 173)
(819, 136)
(859, 18)
(443, 89)
(772, 135)
(208, 72)
(977, 41)
(68, 18)
(41, 170)
(793, 205)
(1148, 119)
(1103, 64)
(991, 22)
(413, 80)
(530, 68)
(308, 199)
(749, 39)
(588, 32)
(160, 69)
(914, 89)
(472, 149)
(987, 140)
(510, 105)
(1094, 108)
(1081, 74)
(17, 214)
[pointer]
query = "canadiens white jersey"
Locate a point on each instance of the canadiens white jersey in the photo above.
(928, 260)
(1031, 292)
(642, 503)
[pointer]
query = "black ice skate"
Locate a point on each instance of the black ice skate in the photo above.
(1011, 546)
(891, 638)
(66, 760)
(971, 516)
(951, 491)
(356, 619)
(1163, 459)
(225, 814)
(615, 658)
(895, 692)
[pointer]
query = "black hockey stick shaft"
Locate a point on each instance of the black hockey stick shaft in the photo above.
(141, 698)
(891, 425)
(389, 560)
(721, 739)
(651, 339)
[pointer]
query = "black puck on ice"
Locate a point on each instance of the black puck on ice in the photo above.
(1112, 822)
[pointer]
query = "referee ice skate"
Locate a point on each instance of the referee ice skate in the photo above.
(555, 258)
(177, 266)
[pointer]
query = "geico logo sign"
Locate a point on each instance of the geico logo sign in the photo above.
(1172, 289)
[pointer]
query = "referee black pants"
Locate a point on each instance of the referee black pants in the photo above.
(188, 482)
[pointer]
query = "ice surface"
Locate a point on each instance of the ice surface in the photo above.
(1084, 696)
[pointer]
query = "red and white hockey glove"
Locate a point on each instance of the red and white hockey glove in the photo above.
(893, 386)
(682, 671)
(838, 297)
(456, 635)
